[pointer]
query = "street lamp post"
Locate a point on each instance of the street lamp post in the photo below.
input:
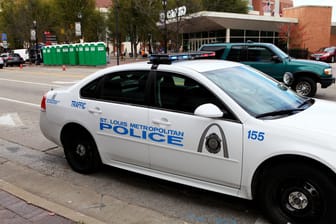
(37, 58)
(79, 27)
(117, 30)
(164, 5)
(149, 43)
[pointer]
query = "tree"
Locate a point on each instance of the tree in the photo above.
(176, 6)
(293, 36)
(17, 19)
(83, 11)
(136, 21)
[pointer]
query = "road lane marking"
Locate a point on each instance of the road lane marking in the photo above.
(33, 83)
(55, 73)
(66, 82)
(20, 102)
(11, 119)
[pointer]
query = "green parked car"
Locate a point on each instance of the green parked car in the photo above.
(271, 60)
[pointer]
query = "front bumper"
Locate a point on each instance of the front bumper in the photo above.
(325, 82)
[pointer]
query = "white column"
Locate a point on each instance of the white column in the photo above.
(227, 38)
(277, 8)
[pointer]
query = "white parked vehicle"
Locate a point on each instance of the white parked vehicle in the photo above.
(2, 63)
(23, 53)
(211, 124)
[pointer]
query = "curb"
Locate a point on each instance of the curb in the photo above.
(48, 205)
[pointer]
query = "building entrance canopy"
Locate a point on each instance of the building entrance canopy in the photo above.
(210, 21)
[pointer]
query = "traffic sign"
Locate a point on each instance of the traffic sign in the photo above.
(4, 37)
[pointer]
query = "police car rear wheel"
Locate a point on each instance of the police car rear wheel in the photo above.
(81, 153)
(298, 194)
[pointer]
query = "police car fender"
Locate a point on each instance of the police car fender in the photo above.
(281, 140)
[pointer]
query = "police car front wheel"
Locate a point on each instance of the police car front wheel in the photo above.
(298, 193)
(81, 152)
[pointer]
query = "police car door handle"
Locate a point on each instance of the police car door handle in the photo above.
(162, 121)
(95, 110)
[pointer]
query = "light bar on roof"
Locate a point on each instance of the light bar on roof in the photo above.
(169, 58)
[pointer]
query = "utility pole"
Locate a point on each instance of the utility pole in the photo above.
(117, 7)
(164, 5)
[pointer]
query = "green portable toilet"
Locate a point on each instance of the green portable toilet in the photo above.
(101, 53)
(73, 54)
(92, 59)
(53, 55)
(49, 59)
(87, 54)
(58, 60)
(45, 55)
(81, 54)
(65, 54)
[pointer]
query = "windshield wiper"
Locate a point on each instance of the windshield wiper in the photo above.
(280, 112)
(308, 101)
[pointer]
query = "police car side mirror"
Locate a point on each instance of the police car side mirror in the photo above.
(208, 110)
(288, 78)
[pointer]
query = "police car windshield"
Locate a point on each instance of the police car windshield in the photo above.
(257, 93)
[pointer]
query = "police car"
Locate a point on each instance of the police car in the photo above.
(211, 124)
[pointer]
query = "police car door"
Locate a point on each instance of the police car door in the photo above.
(119, 103)
(189, 145)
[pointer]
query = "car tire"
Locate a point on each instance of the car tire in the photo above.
(81, 152)
(298, 193)
(305, 86)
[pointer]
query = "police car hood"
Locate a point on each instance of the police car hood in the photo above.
(317, 120)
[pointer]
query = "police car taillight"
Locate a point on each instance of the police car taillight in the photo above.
(43, 103)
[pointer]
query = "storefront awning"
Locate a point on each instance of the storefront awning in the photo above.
(211, 21)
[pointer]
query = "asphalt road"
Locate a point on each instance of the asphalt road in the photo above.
(31, 162)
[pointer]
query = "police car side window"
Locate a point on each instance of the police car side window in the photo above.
(179, 93)
(125, 87)
(90, 91)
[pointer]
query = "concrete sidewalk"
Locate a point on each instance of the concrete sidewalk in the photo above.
(14, 210)
(18, 206)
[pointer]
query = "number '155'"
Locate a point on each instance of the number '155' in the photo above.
(256, 135)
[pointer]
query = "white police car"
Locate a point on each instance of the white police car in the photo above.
(211, 124)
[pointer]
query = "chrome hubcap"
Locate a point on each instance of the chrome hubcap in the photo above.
(303, 88)
(298, 200)
(80, 150)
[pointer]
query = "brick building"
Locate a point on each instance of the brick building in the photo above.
(274, 21)
(314, 29)
(103, 3)
(273, 7)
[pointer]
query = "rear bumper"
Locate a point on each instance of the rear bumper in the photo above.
(50, 129)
